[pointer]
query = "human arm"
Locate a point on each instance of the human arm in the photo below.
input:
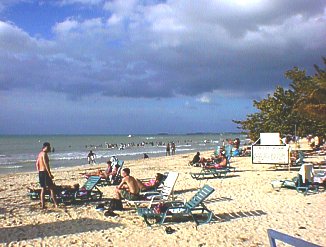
(121, 185)
(46, 164)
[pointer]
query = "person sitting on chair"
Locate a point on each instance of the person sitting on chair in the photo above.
(128, 188)
(151, 184)
(222, 162)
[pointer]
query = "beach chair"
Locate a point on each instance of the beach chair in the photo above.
(152, 198)
(301, 183)
(209, 173)
(114, 180)
(293, 241)
(88, 192)
(196, 203)
(157, 187)
(214, 172)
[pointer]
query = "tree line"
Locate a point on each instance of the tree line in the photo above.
(299, 110)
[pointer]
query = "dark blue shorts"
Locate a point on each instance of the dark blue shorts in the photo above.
(45, 180)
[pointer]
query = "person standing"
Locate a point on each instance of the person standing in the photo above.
(45, 175)
(91, 157)
(168, 149)
(173, 148)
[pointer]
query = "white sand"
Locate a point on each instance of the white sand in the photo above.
(244, 202)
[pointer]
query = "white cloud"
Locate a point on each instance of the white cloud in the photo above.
(204, 99)
(65, 26)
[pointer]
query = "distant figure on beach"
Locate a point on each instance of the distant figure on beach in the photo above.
(91, 157)
(53, 150)
(173, 148)
(196, 158)
(168, 149)
(128, 188)
(236, 143)
(146, 156)
(45, 175)
(221, 162)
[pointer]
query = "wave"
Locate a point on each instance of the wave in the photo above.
(10, 167)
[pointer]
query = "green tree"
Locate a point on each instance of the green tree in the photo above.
(301, 108)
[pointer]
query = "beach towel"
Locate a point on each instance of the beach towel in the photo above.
(307, 172)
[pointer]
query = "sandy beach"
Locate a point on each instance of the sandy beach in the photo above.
(245, 205)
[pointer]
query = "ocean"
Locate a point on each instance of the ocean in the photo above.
(18, 153)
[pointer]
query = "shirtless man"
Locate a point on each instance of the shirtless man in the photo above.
(45, 175)
(128, 188)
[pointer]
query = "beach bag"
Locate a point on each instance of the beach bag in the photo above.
(114, 204)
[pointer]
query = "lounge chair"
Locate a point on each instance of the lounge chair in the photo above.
(88, 192)
(293, 241)
(113, 180)
(301, 183)
(152, 198)
(214, 172)
(157, 187)
(196, 203)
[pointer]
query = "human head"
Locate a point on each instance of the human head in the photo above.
(109, 163)
(198, 153)
(159, 176)
(46, 147)
(125, 172)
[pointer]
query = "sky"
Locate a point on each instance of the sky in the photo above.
(148, 66)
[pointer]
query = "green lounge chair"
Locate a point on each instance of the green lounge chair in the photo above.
(196, 203)
(88, 191)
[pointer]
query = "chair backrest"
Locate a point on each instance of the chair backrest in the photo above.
(168, 185)
(228, 150)
(272, 235)
(199, 197)
(91, 182)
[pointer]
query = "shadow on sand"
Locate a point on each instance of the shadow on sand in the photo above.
(223, 217)
(59, 228)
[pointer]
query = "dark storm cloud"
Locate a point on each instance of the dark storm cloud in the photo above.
(168, 49)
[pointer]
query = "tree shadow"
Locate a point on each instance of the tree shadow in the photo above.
(223, 217)
(59, 228)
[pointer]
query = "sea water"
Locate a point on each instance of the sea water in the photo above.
(18, 153)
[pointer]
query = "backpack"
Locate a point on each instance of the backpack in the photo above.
(114, 204)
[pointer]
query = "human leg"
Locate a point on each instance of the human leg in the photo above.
(42, 197)
(117, 194)
(53, 196)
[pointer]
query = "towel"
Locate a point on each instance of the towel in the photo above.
(307, 172)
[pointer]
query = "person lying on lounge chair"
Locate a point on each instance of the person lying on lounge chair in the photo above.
(222, 162)
(151, 184)
(102, 173)
(128, 188)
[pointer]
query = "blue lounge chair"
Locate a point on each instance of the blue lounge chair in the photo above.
(196, 203)
(297, 242)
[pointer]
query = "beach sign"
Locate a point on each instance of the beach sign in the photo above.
(270, 154)
(270, 150)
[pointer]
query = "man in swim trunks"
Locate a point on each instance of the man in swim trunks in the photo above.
(128, 188)
(45, 175)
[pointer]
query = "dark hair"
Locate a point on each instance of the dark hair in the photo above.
(46, 144)
(159, 176)
(126, 170)
(109, 162)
